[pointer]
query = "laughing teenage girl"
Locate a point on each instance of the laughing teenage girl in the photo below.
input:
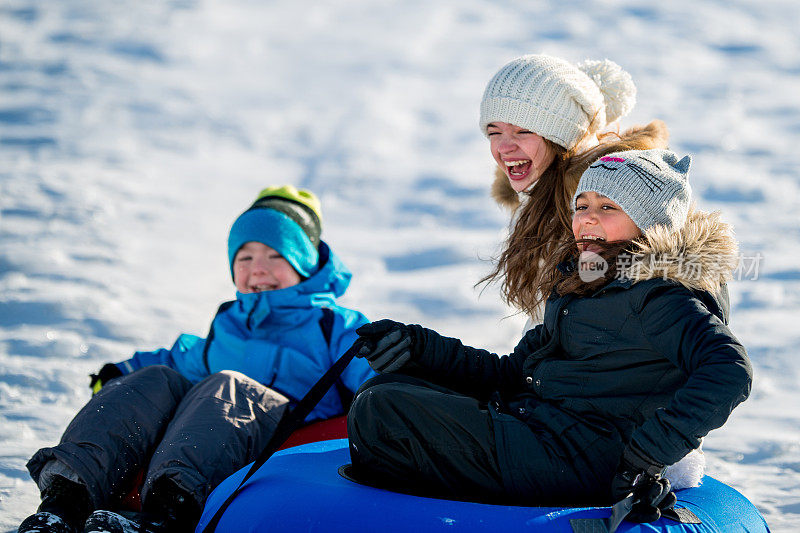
(547, 120)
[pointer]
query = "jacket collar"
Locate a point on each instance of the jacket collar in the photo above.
(320, 290)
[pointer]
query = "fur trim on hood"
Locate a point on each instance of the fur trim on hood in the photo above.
(701, 256)
(502, 192)
(653, 135)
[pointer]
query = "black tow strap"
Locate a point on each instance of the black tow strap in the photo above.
(290, 421)
(619, 511)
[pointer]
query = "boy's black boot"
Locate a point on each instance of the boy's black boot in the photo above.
(64, 508)
(168, 509)
(102, 521)
(180, 509)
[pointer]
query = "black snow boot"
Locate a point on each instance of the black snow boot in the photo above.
(44, 522)
(168, 509)
(64, 508)
(168, 499)
(103, 521)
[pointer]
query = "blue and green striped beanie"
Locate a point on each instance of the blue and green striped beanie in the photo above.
(285, 219)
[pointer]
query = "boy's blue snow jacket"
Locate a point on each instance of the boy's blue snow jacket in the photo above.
(285, 339)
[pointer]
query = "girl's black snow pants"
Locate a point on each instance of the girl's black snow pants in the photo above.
(414, 436)
(155, 419)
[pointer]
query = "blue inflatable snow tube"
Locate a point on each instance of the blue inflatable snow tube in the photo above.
(300, 489)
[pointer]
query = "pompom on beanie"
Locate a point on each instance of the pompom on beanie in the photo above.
(651, 186)
(285, 219)
(560, 101)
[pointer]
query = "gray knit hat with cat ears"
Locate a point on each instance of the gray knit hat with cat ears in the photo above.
(651, 186)
(560, 101)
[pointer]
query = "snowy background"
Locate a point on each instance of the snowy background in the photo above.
(132, 134)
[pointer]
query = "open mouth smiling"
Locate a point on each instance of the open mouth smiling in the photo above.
(588, 246)
(518, 168)
(263, 287)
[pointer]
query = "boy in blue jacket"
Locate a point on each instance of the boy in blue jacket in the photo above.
(197, 412)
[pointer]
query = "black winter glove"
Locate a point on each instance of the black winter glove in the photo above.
(387, 345)
(639, 474)
(107, 373)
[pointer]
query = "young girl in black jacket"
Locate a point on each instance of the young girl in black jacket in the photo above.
(632, 366)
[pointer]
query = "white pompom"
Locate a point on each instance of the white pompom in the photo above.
(617, 86)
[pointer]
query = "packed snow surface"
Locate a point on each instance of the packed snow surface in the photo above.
(133, 133)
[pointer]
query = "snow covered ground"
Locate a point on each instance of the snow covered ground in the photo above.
(132, 134)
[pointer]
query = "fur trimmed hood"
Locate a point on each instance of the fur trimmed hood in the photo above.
(701, 256)
(653, 135)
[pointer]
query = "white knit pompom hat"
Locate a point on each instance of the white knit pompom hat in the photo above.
(560, 101)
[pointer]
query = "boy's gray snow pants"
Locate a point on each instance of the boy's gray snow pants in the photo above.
(155, 419)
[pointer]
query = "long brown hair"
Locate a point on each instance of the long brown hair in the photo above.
(544, 223)
(573, 282)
